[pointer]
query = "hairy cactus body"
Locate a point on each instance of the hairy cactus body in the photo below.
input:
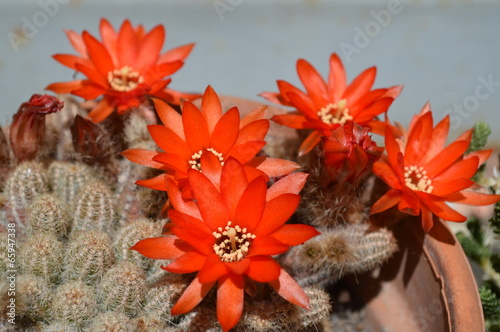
(66, 179)
(89, 255)
(74, 303)
(112, 322)
(34, 297)
(41, 255)
(47, 214)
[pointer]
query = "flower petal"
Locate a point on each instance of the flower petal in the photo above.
(230, 300)
(470, 197)
(178, 53)
(254, 131)
(65, 87)
(191, 297)
(290, 290)
(296, 121)
(226, 131)
(156, 183)
(97, 53)
(246, 151)
(359, 86)
(263, 269)
(169, 141)
(310, 142)
(277, 211)
(273, 167)
(213, 269)
(442, 210)
(337, 80)
(211, 108)
(175, 198)
(251, 205)
(264, 245)
(290, 184)
(151, 46)
(313, 82)
(445, 158)
(232, 184)
(387, 201)
(187, 263)
(102, 110)
(195, 127)
(294, 234)
(169, 117)
(163, 247)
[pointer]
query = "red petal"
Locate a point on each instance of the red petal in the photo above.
(427, 219)
(215, 213)
(442, 210)
(442, 188)
(102, 110)
(238, 267)
(65, 87)
(230, 301)
(163, 247)
(211, 108)
(195, 127)
(445, 158)
(225, 132)
(77, 42)
(482, 155)
(232, 184)
(310, 142)
(89, 91)
(290, 290)
(246, 151)
(151, 46)
(70, 61)
(263, 269)
(304, 104)
(127, 45)
(277, 211)
(188, 221)
(213, 269)
(251, 205)
(337, 80)
(409, 204)
(369, 113)
(109, 38)
(156, 183)
(255, 115)
(193, 295)
(361, 85)
(169, 117)
(178, 53)
(211, 167)
(197, 239)
(313, 82)
(273, 167)
(384, 171)
(254, 131)
(142, 157)
(172, 161)
(387, 201)
(470, 197)
(169, 141)
(187, 263)
(264, 245)
(290, 184)
(295, 234)
(94, 75)
(98, 54)
(296, 121)
(175, 198)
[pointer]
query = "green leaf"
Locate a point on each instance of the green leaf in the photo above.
(495, 220)
(472, 248)
(495, 262)
(480, 136)
(475, 230)
(491, 303)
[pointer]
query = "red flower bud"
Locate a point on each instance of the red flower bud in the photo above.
(349, 154)
(27, 130)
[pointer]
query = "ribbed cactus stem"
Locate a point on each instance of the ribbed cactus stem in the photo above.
(122, 288)
(74, 303)
(27, 181)
(34, 297)
(41, 254)
(93, 209)
(47, 214)
(132, 233)
(66, 178)
(88, 256)
(339, 251)
(111, 321)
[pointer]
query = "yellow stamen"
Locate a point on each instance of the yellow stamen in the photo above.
(124, 79)
(335, 113)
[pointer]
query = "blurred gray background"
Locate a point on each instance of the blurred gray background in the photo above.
(442, 51)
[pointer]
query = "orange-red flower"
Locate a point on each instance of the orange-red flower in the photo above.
(349, 154)
(424, 174)
(189, 138)
(228, 235)
(325, 106)
(125, 67)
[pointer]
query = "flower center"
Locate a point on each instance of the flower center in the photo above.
(195, 162)
(335, 113)
(124, 79)
(232, 243)
(416, 179)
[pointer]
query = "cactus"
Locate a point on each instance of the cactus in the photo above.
(123, 288)
(151, 324)
(89, 255)
(27, 181)
(129, 235)
(34, 297)
(47, 214)
(112, 322)
(74, 303)
(41, 255)
(66, 179)
(93, 209)
(339, 251)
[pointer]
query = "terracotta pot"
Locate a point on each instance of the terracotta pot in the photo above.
(427, 286)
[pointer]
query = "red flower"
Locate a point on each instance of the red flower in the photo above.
(228, 236)
(349, 154)
(27, 131)
(327, 105)
(424, 174)
(124, 67)
(188, 139)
